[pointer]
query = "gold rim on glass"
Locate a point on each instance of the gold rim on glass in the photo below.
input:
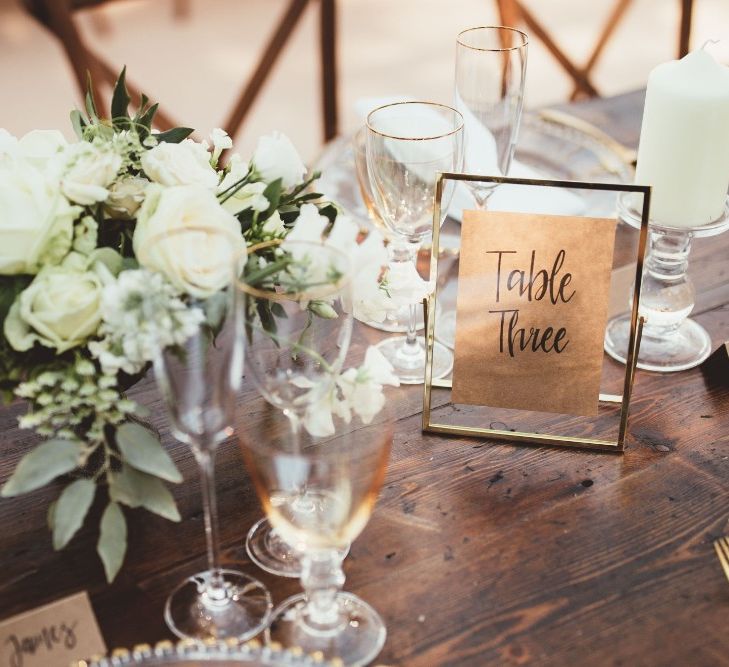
(324, 292)
(430, 104)
(524, 36)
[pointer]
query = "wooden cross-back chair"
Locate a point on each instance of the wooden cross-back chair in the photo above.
(57, 16)
(515, 12)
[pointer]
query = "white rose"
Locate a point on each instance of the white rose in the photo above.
(60, 309)
(126, 196)
(39, 146)
(36, 220)
(186, 163)
(199, 262)
(275, 157)
(88, 171)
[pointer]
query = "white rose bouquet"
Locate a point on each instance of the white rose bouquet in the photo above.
(81, 318)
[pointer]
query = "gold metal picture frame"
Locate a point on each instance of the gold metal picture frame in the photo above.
(636, 325)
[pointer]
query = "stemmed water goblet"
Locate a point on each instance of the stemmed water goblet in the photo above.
(294, 297)
(198, 376)
(408, 143)
(396, 320)
(343, 472)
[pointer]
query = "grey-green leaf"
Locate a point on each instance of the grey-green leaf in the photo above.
(71, 509)
(44, 463)
(112, 543)
(142, 450)
(50, 516)
(138, 489)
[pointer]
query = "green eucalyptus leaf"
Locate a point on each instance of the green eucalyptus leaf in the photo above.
(112, 543)
(71, 509)
(175, 135)
(138, 489)
(44, 463)
(142, 450)
(120, 101)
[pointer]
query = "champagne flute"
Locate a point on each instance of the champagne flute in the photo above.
(489, 93)
(294, 296)
(198, 379)
(408, 143)
(344, 472)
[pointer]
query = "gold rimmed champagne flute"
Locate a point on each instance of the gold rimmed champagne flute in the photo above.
(343, 474)
(294, 296)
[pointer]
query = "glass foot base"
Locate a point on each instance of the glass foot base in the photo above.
(686, 348)
(244, 611)
(272, 554)
(356, 639)
(410, 369)
(396, 322)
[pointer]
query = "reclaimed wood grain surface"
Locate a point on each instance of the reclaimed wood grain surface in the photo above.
(477, 553)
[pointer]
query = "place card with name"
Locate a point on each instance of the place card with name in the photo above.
(54, 635)
(533, 294)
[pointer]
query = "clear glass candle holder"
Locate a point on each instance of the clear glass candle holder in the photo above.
(671, 340)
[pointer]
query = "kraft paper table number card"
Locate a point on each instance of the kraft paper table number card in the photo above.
(532, 307)
(532, 297)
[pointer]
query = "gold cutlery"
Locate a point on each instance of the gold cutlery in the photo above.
(722, 551)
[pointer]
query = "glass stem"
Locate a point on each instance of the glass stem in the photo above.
(215, 588)
(408, 252)
(322, 578)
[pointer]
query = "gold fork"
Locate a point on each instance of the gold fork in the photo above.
(722, 550)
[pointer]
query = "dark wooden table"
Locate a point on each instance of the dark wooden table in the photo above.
(477, 553)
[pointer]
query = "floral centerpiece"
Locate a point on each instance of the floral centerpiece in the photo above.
(81, 317)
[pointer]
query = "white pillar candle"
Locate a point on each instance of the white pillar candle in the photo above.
(684, 140)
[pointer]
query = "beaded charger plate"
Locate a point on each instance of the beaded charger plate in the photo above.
(553, 150)
(211, 653)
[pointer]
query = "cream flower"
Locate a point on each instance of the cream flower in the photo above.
(60, 309)
(186, 163)
(126, 196)
(88, 171)
(198, 262)
(36, 220)
(275, 157)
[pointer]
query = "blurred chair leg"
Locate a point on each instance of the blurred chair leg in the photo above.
(181, 9)
(511, 11)
(615, 16)
(687, 8)
(60, 22)
(328, 27)
(265, 65)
